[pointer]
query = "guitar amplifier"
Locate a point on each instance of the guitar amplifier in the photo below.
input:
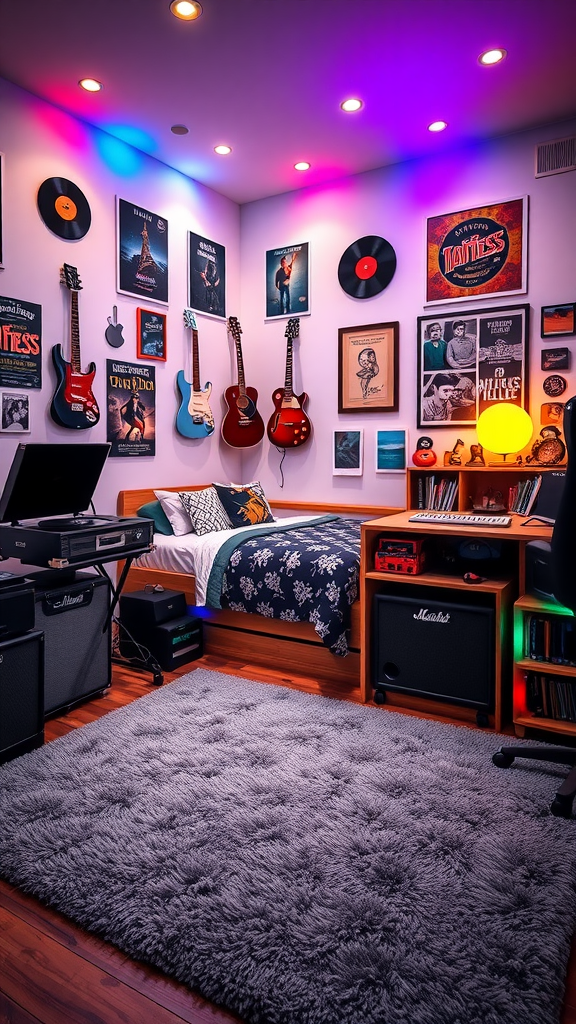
(401, 555)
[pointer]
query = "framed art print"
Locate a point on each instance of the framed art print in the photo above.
(141, 252)
(150, 334)
(347, 452)
(14, 412)
(391, 447)
(288, 281)
(555, 359)
(368, 368)
(206, 276)
(558, 321)
(475, 252)
(470, 360)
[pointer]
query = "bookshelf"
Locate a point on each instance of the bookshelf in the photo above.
(462, 488)
(544, 684)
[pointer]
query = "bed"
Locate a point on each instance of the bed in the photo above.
(258, 638)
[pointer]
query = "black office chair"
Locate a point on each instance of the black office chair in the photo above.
(563, 565)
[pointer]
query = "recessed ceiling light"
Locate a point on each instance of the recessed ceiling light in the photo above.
(437, 126)
(492, 56)
(186, 10)
(222, 150)
(350, 105)
(90, 84)
(179, 129)
(302, 165)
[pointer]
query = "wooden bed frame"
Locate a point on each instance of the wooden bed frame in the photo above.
(255, 639)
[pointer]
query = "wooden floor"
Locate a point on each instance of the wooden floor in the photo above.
(52, 972)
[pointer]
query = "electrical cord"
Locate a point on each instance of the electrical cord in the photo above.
(144, 658)
(283, 450)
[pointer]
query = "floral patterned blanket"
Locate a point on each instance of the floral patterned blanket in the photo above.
(300, 573)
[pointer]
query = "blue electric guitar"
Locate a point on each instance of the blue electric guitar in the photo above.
(194, 417)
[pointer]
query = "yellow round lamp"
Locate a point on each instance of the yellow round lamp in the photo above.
(504, 429)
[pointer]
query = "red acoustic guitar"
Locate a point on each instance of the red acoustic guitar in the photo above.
(289, 425)
(242, 426)
(73, 404)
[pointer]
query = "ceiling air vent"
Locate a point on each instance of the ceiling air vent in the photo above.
(556, 157)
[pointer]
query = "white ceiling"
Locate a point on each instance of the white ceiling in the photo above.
(267, 77)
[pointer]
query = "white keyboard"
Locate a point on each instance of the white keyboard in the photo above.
(459, 519)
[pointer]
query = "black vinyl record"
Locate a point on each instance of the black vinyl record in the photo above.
(367, 267)
(64, 208)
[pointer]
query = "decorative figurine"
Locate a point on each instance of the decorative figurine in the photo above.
(550, 450)
(424, 456)
(476, 455)
(454, 458)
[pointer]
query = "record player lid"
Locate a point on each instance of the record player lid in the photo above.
(51, 480)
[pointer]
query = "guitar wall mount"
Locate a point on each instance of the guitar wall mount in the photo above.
(113, 332)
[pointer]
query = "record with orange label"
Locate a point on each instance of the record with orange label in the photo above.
(367, 267)
(64, 208)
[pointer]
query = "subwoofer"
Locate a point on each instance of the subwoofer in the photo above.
(21, 695)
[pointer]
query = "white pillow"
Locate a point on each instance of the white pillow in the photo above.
(175, 513)
(206, 511)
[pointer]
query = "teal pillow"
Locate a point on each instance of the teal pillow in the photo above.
(153, 510)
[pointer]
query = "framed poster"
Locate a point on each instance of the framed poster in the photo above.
(141, 252)
(206, 276)
(288, 281)
(555, 359)
(558, 321)
(21, 349)
(368, 368)
(131, 409)
(1, 217)
(150, 334)
(391, 446)
(469, 360)
(481, 251)
(14, 412)
(347, 452)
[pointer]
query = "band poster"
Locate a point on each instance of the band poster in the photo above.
(288, 281)
(20, 343)
(469, 361)
(131, 409)
(207, 276)
(142, 252)
(482, 251)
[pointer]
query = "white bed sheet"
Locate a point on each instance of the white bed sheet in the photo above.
(194, 554)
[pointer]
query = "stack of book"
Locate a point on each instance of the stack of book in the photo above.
(551, 697)
(522, 496)
(439, 497)
(550, 638)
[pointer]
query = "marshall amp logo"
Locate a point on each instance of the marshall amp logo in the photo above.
(425, 616)
(54, 604)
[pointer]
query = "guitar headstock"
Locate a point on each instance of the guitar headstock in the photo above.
(190, 320)
(234, 327)
(293, 327)
(69, 277)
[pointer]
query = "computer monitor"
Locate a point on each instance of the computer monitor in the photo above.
(549, 494)
(51, 480)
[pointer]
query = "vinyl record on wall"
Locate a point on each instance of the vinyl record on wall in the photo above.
(367, 267)
(64, 208)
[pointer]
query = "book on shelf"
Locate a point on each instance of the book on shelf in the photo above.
(522, 496)
(550, 696)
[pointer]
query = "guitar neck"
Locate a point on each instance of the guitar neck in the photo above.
(74, 333)
(195, 362)
(288, 387)
(240, 363)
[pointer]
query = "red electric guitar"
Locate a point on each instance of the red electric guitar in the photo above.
(73, 404)
(242, 426)
(289, 425)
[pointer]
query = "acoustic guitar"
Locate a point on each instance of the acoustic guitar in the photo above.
(289, 425)
(194, 417)
(242, 426)
(73, 404)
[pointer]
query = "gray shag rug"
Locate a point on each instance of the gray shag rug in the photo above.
(303, 860)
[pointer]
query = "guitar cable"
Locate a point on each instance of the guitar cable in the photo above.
(283, 451)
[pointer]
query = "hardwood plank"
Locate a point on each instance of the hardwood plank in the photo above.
(11, 1013)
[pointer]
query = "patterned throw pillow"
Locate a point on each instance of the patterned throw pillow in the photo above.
(246, 506)
(207, 514)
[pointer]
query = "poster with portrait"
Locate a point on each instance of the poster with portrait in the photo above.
(481, 251)
(288, 281)
(206, 276)
(20, 343)
(130, 409)
(141, 252)
(469, 360)
(14, 412)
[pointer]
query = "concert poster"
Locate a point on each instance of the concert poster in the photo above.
(288, 281)
(206, 276)
(141, 252)
(481, 251)
(20, 343)
(131, 409)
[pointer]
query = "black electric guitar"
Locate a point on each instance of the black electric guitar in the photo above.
(73, 404)
(194, 417)
(242, 426)
(289, 425)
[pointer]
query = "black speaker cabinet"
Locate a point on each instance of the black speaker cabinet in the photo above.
(172, 643)
(78, 659)
(431, 647)
(21, 695)
(144, 608)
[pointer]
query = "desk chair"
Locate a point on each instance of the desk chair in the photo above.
(563, 565)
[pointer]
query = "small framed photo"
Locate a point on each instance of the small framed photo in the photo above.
(15, 412)
(347, 452)
(150, 334)
(555, 359)
(368, 368)
(391, 446)
(558, 321)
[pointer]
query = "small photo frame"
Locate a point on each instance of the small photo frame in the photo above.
(14, 412)
(288, 281)
(368, 368)
(555, 359)
(347, 452)
(150, 334)
(391, 447)
(558, 321)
